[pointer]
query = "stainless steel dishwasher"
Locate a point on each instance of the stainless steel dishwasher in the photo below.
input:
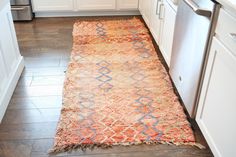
(193, 31)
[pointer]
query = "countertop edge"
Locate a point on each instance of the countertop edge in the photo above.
(229, 5)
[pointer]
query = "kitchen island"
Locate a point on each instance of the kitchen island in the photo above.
(11, 62)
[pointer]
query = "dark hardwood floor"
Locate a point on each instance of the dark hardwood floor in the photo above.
(29, 125)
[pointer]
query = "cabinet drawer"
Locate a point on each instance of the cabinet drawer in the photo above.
(226, 30)
(83, 5)
(52, 5)
(127, 4)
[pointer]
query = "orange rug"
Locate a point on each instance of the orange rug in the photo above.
(117, 92)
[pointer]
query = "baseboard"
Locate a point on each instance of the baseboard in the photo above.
(86, 13)
(5, 97)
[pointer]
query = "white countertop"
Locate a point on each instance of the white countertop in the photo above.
(228, 3)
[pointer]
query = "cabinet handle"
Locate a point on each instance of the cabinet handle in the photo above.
(161, 11)
(233, 36)
(157, 8)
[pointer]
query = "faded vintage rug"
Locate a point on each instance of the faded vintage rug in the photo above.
(117, 92)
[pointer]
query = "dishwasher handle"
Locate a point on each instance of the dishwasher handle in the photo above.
(197, 10)
(17, 8)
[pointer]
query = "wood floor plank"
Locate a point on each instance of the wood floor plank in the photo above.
(42, 53)
(64, 62)
(15, 148)
(45, 102)
(35, 62)
(36, 91)
(47, 81)
(30, 131)
(160, 150)
(25, 81)
(42, 146)
(46, 71)
(31, 116)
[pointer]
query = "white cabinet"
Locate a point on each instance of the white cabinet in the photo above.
(11, 62)
(3, 72)
(96, 4)
(127, 4)
(141, 6)
(7, 44)
(145, 9)
(168, 16)
(226, 29)
(156, 21)
(216, 112)
(83, 5)
(160, 16)
(52, 5)
(217, 107)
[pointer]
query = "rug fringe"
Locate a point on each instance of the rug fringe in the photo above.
(84, 147)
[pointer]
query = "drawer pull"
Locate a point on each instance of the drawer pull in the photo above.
(157, 8)
(233, 36)
(161, 16)
(18, 9)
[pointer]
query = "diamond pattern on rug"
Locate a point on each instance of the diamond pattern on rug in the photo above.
(117, 92)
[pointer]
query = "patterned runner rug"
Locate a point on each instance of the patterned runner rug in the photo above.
(117, 92)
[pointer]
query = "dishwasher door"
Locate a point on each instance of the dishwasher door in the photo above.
(192, 31)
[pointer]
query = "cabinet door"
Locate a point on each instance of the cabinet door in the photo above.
(8, 41)
(127, 4)
(217, 106)
(156, 22)
(145, 9)
(96, 5)
(53, 5)
(3, 73)
(168, 15)
(141, 6)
